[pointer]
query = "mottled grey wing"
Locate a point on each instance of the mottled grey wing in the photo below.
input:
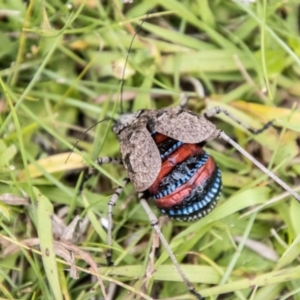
(140, 156)
(183, 125)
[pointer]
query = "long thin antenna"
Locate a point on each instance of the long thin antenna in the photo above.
(127, 57)
(85, 132)
(122, 84)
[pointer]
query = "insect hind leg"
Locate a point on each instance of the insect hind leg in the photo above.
(218, 109)
(154, 223)
(225, 137)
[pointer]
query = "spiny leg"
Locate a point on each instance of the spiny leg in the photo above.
(154, 223)
(111, 203)
(99, 161)
(184, 98)
(107, 160)
(225, 137)
(199, 89)
(218, 109)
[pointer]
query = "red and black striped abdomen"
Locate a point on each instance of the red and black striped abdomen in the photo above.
(189, 183)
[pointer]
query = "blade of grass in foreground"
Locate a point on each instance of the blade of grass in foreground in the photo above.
(44, 227)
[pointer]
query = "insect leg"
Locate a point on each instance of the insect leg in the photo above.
(225, 137)
(111, 203)
(99, 161)
(218, 109)
(184, 98)
(199, 89)
(108, 160)
(154, 223)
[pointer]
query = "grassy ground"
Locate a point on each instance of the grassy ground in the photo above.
(61, 66)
